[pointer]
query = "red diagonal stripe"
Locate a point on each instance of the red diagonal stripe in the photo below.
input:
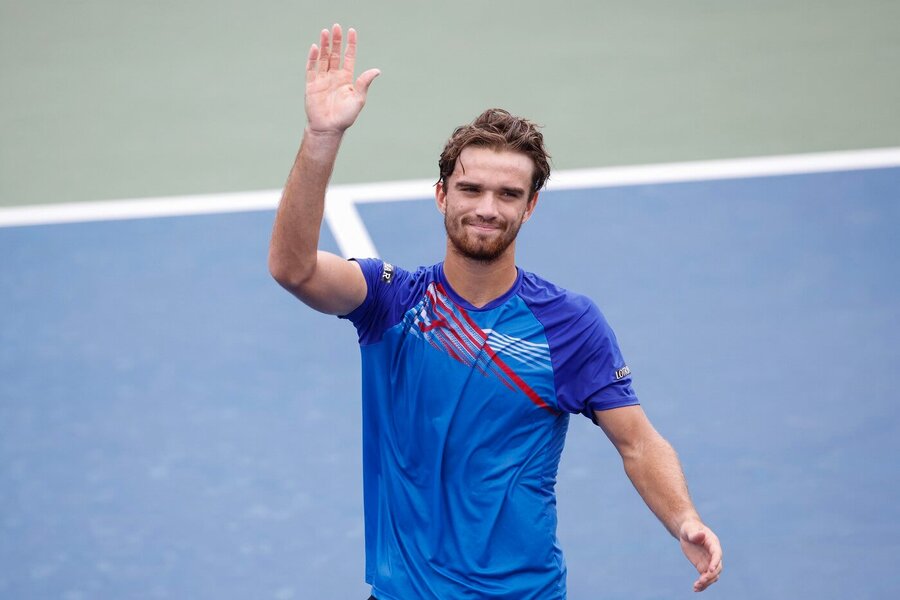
(524, 387)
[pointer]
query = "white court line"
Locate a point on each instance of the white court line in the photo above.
(143, 208)
(352, 237)
(346, 225)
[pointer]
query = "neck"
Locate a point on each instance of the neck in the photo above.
(480, 282)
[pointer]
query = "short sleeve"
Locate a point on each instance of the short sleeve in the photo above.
(595, 375)
(589, 371)
(383, 306)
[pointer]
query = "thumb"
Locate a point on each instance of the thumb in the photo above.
(694, 535)
(365, 80)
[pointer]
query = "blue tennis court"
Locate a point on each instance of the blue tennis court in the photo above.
(174, 425)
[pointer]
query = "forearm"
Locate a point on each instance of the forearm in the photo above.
(656, 473)
(295, 235)
(653, 468)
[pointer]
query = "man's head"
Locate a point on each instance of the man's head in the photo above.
(491, 171)
(495, 128)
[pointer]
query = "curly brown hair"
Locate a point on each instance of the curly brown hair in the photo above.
(497, 129)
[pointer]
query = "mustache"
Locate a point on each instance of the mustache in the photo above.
(496, 223)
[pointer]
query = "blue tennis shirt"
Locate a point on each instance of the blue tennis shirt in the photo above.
(465, 412)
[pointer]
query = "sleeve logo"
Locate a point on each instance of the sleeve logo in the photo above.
(387, 273)
(623, 372)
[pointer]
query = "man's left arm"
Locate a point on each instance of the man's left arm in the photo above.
(656, 473)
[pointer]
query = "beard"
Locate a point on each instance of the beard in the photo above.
(483, 248)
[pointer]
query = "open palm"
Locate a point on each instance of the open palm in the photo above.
(333, 98)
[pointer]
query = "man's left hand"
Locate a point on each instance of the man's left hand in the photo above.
(702, 548)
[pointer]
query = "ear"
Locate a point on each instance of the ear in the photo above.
(440, 197)
(532, 204)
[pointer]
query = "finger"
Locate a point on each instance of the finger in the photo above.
(701, 584)
(323, 51)
(311, 59)
(715, 559)
(708, 578)
(350, 52)
(365, 80)
(702, 581)
(334, 59)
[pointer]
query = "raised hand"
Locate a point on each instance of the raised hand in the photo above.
(702, 548)
(333, 98)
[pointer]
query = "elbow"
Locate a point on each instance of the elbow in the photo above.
(642, 449)
(646, 454)
(289, 274)
(633, 454)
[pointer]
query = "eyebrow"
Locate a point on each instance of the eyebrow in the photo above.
(513, 190)
(471, 184)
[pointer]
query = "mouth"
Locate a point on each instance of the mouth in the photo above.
(483, 227)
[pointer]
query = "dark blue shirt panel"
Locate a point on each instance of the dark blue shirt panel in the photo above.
(587, 363)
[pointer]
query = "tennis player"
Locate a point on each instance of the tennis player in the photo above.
(471, 367)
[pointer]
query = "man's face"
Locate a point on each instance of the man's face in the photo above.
(485, 201)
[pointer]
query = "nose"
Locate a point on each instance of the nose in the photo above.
(486, 208)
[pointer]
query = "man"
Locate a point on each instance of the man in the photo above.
(470, 367)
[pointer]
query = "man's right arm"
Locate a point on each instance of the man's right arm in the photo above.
(322, 280)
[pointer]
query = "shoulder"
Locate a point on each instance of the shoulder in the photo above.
(588, 368)
(546, 299)
(569, 319)
(390, 292)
